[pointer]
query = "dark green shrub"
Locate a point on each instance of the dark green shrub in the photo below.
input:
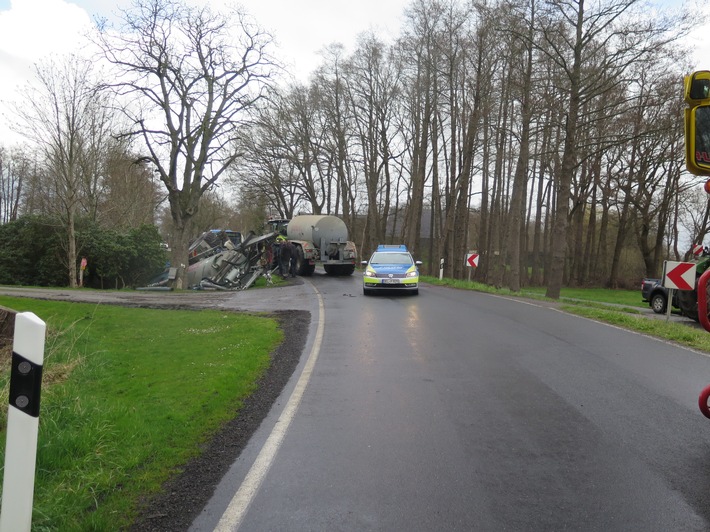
(117, 260)
(32, 253)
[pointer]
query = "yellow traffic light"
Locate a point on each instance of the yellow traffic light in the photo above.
(697, 88)
(697, 139)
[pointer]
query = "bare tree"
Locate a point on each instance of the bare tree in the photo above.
(301, 145)
(514, 226)
(338, 123)
(131, 192)
(373, 84)
(59, 115)
(422, 53)
(525, 104)
(578, 36)
(268, 169)
(14, 170)
(190, 77)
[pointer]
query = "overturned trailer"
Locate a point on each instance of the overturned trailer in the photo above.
(220, 264)
(222, 260)
(212, 242)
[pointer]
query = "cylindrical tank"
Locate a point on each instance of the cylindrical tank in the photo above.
(313, 228)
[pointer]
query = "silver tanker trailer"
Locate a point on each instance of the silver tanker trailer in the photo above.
(319, 239)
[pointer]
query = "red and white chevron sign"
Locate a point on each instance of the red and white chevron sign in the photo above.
(472, 259)
(679, 275)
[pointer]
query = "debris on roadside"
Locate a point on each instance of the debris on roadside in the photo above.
(222, 260)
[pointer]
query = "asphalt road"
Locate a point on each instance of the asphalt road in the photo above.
(458, 410)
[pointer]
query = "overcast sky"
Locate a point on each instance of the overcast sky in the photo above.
(33, 29)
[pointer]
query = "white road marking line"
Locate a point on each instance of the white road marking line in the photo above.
(234, 514)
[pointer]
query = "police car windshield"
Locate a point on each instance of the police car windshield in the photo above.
(391, 258)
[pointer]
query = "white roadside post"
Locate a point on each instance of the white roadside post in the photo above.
(441, 269)
(669, 304)
(22, 423)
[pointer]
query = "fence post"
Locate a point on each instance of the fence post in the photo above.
(22, 423)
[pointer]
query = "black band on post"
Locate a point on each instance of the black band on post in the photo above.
(25, 385)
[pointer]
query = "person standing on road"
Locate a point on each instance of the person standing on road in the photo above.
(287, 266)
(276, 251)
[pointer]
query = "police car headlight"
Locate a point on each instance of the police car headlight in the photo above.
(370, 273)
(413, 274)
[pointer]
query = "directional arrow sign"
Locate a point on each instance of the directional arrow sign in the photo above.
(679, 275)
(472, 259)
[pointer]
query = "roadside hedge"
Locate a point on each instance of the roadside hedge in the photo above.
(32, 254)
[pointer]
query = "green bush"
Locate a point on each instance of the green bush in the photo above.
(32, 254)
(117, 260)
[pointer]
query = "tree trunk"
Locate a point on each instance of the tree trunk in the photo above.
(517, 203)
(569, 165)
(71, 249)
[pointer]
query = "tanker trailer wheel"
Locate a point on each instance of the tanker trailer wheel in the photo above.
(302, 267)
(299, 261)
(703, 401)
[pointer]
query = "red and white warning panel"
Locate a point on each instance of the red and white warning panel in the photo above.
(472, 259)
(679, 275)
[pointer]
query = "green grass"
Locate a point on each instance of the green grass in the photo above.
(617, 307)
(629, 298)
(679, 333)
(128, 396)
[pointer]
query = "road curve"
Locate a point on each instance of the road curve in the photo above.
(464, 411)
(459, 410)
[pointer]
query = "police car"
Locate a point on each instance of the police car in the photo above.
(391, 267)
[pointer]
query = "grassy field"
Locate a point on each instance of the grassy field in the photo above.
(128, 395)
(630, 298)
(616, 307)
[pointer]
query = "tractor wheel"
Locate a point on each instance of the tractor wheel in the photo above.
(301, 263)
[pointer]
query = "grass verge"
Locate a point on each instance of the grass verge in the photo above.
(627, 298)
(616, 307)
(679, 333)
(128, 397)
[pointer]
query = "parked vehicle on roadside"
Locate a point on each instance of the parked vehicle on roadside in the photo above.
(657, 295)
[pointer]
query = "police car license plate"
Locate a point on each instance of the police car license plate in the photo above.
(390, 281)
